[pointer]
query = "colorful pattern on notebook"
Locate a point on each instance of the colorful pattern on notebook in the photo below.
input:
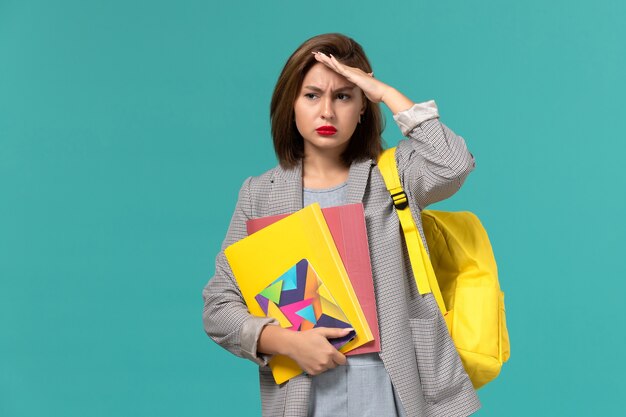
(299, 300)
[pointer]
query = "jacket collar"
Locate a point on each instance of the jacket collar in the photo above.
(286, 191)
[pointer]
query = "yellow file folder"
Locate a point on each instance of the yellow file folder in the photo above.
(259, 259)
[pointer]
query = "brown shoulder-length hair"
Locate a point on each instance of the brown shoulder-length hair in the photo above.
(366, 141)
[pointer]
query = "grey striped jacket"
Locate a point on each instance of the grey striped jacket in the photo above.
(416, 347)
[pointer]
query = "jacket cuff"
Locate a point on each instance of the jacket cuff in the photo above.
(249, 337)
(407, 120)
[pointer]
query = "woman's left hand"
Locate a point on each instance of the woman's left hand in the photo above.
(373, 89)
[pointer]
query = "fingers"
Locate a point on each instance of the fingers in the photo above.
(333, 332)
(355, 75)
(317, 354)
(322, 57)
(336, 63)
(331, 62)
(339, 358)
(331, 360)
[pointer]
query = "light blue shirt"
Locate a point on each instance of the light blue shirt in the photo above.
(362, 386)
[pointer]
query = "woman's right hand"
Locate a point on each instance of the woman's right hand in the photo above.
(309, 348)
(313, 352)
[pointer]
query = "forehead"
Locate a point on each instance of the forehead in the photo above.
(321, 76)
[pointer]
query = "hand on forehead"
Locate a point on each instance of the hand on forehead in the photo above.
(323, 77)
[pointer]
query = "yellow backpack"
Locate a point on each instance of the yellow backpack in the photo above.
(461, 273)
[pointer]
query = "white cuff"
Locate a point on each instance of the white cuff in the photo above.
(407, 120)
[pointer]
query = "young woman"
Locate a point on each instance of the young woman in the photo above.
(326, 126)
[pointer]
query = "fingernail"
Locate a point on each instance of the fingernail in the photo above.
(349, 329)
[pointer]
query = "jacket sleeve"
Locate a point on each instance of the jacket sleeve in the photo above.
(433, 161)
(225, 315)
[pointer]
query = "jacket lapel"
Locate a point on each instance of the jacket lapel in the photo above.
(286, 190)
(286, 187)
(358, 178)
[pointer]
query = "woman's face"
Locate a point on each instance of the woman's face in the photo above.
(327, 110)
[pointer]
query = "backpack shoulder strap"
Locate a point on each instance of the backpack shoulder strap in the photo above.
(420, 262)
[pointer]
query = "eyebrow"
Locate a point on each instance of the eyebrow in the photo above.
(319, 90)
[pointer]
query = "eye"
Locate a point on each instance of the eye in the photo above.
(310, 96)
(343, 97)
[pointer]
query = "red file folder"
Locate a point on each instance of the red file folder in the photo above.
(347, 227)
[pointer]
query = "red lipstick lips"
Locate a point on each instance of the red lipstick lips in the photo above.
(326, 130)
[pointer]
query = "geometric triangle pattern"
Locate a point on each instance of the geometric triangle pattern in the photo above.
(291, 312)
(263, 302)
(275, 312)
(332, 310)
(307, 313)
(273, 292)
(323, 291)
(289, 279)
(299, 300)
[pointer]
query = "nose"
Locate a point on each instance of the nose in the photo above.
(327, 108)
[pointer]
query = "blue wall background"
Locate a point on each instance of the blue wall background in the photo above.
(126, 129)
